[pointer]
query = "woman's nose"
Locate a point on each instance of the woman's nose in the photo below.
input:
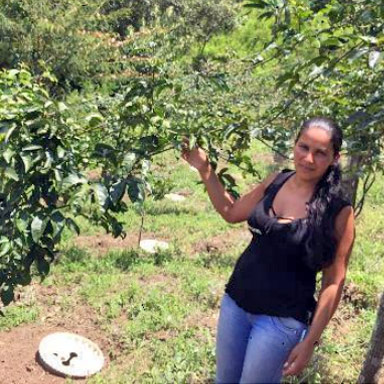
(309, 158)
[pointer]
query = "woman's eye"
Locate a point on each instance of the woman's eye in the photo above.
(304, 147)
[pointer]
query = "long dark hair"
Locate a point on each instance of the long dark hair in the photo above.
(321, 242)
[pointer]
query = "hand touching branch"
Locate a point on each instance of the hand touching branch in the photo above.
(196, 157)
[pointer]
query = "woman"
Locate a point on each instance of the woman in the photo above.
(269, 321)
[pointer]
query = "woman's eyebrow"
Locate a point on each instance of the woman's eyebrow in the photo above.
(316, 148)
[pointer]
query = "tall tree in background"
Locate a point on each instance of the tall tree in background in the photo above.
(328, 56)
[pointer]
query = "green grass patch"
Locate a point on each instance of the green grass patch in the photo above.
(16, 315)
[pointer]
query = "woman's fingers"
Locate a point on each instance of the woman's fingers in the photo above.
(296, 361)
(292, 366)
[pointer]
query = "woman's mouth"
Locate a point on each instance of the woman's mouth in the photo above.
(307, 169)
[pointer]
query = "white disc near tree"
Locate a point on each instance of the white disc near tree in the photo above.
(174, 197)
(70, 355)
(152, 246)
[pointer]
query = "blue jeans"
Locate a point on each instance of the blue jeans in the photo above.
(253, 348)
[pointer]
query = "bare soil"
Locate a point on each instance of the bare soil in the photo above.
(103, 243)
(19, 346)
(224, 241)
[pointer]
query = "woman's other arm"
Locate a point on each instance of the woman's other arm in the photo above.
(331, 289)
(232, 210)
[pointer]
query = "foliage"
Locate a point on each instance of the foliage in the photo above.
(55, 35)
(329, 55)
(43, 159)
(47, 148)
(198, 18)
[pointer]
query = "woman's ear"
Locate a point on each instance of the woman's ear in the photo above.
(336, 158)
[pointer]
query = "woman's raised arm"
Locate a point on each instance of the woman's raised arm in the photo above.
(232, 210)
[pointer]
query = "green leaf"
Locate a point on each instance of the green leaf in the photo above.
(27, 161)
(24, 278)
(8, 154)
(117, 191)
(49, 160)
(11, 74)
(267, 15)
(374, 58)
(5, 248)
(94, 119)
(7, 295)
(102, 194)
(9, 133)
(62, 106)
(58, 175)
(260, 4)
(331, 43)
(74, 179)
(192, 141)
(38, 226)
(104, 150)
(5, 126)
(71, 224)
(145, 166)
(61, 152)
(58, 223)
(32, 147)
(368, 39)
(11, 173)
(285, 77)
(42, 265)
(357, 53)
(136, 191)
(129, 161)
(22, 222)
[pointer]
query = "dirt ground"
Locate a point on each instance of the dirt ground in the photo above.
(19, 346)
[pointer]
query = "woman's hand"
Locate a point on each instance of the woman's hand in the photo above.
(196, 157)
(298, 358)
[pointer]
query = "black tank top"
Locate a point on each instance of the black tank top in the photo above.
(270, 277)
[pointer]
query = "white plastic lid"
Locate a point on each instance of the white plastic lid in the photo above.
(68, 354)
(151, 245)
(174, 197)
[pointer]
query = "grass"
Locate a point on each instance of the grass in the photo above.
(160, 311)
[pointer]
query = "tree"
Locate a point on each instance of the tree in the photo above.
(46, 149)
(199, 18)
(328, 57)
(55, 35)
(375, 353)
(44, 153)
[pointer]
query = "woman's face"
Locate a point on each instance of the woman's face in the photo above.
(313, 153)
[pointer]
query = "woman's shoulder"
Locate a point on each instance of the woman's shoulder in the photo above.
(274, 178)
(339, 202)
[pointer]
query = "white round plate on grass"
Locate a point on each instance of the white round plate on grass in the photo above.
(174, 197)
(152, 246)
(70, 355)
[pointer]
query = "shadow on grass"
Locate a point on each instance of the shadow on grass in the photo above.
(126, 259)
(214, 260)
(78, 259)
(73, 255)
(156, 210)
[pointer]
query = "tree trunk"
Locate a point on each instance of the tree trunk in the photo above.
(374, 357)
(351, 178)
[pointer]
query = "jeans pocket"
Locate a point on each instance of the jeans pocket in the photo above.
(289, 325)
